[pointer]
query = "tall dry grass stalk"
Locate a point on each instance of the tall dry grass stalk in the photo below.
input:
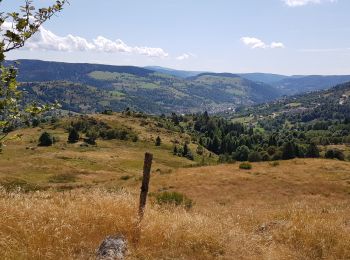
(52, 225)
(49, 225)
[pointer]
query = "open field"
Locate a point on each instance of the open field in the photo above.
(76, 196)
(269, 212)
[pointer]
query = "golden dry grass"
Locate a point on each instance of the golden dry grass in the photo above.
(297, 210)
(71, 225)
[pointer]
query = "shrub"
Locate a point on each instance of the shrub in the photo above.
(254, 157)
(265, 156)
(245, 166)
(92, 135)
(158, 141)
(73, 135)
(288, 151)
(200, 150)
(46, 139)
(277, 156)
(174, 198)
(335, 154)
(242, 153)
(312, 151)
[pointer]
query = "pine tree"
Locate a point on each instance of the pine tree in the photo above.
(288, 151)
(312, 151)
(46, 139)
(158, 141)
(73, 135)
(175, 151)
(242, 153)
(185, 150)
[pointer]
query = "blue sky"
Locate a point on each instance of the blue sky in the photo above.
(276, 36)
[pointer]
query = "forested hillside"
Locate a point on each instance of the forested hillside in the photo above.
(118, 87)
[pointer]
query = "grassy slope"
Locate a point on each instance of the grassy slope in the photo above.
(298, 209)
(105, 163)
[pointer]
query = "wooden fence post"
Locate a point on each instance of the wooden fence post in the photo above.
(143, 195)
(145, 183)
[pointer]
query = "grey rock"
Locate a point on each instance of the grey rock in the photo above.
(113, 248)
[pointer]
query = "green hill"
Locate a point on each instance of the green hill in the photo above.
(93, 88)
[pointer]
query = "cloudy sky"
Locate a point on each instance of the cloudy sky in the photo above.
(276, 36)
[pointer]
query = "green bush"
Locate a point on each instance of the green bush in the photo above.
(46, 139)
(174, 198)
(242, 153)
(245, 166)
(73, 135)
(158, 141)
(335, 154)
(254, 157)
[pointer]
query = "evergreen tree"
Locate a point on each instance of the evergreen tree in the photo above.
(254, 157)
(46, 139)
(242, 153)
(158, 141)
(73, 135)
(175, 151)
(312, 151)
(185, 150)
(91, 135)
(288, 151)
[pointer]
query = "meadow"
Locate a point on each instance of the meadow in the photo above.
(60, 202)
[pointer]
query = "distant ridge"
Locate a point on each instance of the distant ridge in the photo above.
(173, 72)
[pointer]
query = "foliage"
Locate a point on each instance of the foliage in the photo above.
(46, 139)
(73, 135)
(254, 157)
(245, 166)
(158, 141)
(94, 129)
(335, 154)
(174, 198)
(15, 30)
(313, 151)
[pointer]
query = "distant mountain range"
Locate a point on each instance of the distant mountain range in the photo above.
(90, 88)
(288, 85)
(93, 87)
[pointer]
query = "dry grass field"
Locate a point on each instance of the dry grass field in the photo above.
(298, 209)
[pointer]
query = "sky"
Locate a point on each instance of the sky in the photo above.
(274, 36)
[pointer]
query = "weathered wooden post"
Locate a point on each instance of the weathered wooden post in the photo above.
(145, 183)
(143, 194)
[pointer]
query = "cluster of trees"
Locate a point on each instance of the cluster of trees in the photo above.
(237, 141)
(183, 151)
(93, 129)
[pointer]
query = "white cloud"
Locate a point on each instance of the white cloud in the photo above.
(256, 43)
(275, 45)
(47, 40)
(185, 56)
(296, 3)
